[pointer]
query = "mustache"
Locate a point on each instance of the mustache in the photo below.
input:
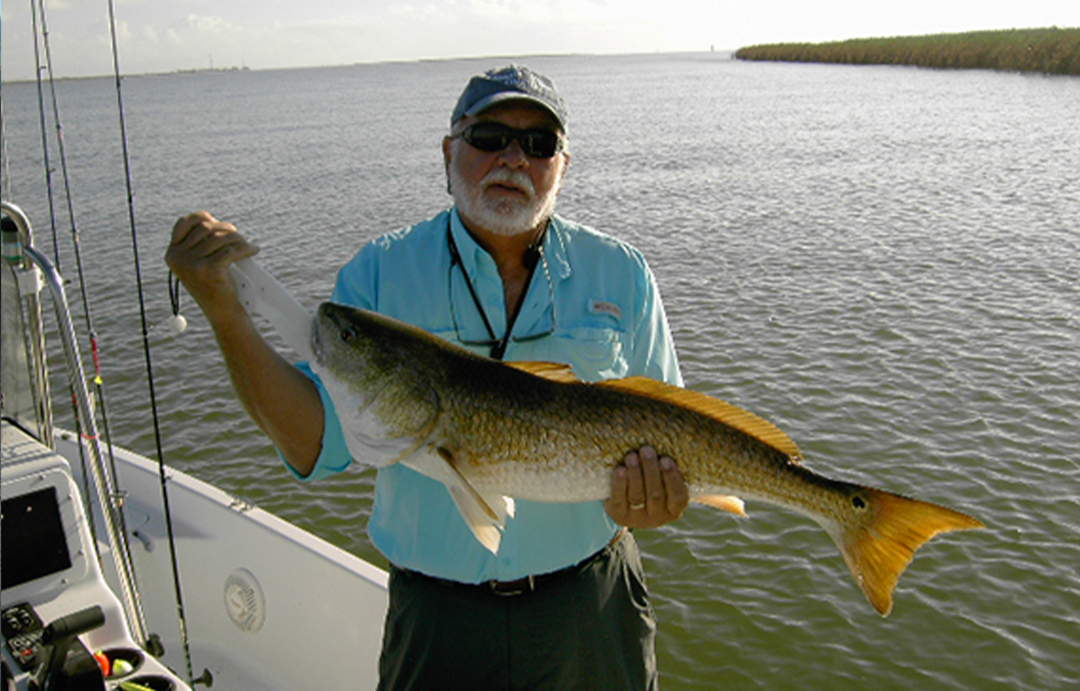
(515, 178)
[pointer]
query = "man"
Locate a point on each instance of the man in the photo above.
(563, 603)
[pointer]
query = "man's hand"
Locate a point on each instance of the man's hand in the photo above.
(279, 398)
(200, 252)
(646, 491)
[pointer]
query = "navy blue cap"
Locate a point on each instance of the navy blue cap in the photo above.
(513, 82)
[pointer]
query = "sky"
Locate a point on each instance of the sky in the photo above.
(168, 35)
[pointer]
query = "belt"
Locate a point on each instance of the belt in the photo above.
(528, 584)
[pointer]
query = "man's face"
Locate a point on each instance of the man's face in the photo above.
(504, 192)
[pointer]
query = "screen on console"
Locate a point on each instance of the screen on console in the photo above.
(33, 538)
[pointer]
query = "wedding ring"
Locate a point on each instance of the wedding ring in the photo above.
(637, 507)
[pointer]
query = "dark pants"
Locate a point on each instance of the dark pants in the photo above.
(592, 627)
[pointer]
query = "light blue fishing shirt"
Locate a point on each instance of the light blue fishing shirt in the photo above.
(592, 303)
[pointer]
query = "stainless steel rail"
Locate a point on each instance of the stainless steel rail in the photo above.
(108, 497)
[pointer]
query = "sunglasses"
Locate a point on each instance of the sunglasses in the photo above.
(493, 137)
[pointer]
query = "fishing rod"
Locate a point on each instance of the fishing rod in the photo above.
(163, 479)
(76, 241)
(44, 127)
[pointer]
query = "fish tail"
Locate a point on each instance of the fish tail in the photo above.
(880, 539)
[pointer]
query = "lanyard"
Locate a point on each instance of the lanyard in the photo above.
(498, 346)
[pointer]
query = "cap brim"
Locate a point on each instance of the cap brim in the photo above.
(504, 96)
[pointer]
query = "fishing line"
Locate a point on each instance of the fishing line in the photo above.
(146, 351)
(44, 132)
(76, 242)
(41, 41)
(177, 323)
(5, 159)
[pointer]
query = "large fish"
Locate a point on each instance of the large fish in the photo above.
(492, 431)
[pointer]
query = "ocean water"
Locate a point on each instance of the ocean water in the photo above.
(885, 262)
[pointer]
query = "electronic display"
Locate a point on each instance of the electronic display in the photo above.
(33, 538)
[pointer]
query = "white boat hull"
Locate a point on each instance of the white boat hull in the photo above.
(267, 605)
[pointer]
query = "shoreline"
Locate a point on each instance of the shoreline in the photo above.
(1046, 51)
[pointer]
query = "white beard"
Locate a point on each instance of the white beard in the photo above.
(502, 216)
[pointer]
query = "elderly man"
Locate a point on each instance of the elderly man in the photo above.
(563, 603)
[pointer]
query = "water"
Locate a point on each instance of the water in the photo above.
(883, 261)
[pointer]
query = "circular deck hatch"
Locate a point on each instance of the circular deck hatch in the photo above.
(244, 601)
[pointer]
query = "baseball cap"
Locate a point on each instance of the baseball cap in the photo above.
(513, 82)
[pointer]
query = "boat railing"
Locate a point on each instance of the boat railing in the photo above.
(26, 398)
(33, 271)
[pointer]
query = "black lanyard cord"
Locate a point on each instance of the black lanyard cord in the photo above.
(498, 346)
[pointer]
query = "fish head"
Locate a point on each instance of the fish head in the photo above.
(346, 344)
(371, 367)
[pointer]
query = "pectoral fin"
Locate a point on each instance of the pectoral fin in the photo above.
(485, 516)
(477, 516)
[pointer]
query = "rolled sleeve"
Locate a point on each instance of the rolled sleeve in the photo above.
(334, 455)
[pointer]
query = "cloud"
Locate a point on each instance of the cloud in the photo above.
(158, 35)
(209, 25)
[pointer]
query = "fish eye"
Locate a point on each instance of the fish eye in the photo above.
(348, 335)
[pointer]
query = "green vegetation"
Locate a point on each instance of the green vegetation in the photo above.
(1050, 51)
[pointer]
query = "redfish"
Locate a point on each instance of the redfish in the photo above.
(493, 431)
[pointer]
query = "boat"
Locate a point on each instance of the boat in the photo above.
(119, 572)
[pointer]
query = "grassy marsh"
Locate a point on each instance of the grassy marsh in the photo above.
(1048, 51)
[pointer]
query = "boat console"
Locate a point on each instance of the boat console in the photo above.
(62, 626)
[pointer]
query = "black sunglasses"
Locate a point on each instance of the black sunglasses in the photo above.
(494, 136)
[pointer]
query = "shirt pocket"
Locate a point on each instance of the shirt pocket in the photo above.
(596, 353)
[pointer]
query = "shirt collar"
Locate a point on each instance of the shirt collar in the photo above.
(469, 249)
(555, 250)
(538, 311)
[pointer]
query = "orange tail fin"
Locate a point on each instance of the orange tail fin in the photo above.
(879, 547)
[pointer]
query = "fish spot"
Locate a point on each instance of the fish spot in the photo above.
(858, 502)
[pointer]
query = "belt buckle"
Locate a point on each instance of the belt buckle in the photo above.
(528, 585)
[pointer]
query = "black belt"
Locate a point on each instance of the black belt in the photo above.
(521, 586)
(529, 584)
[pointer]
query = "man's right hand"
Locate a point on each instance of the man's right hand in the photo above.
(200, 252)
(279, 398)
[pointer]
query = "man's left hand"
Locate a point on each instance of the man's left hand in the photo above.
(646, 491)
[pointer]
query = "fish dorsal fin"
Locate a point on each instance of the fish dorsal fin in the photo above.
(730, 415)
(553, 371)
